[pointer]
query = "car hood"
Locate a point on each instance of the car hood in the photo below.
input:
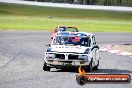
(68, 49)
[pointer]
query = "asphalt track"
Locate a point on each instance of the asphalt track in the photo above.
(21, 61)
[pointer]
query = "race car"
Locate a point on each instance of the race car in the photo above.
(71, 50)
(62, 29)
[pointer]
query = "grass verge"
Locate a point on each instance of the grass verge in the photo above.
(24, 17)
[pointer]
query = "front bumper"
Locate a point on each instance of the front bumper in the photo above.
(67, 63)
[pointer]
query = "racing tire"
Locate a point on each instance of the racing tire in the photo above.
(89, 67)
(96, 67)
(45, 67)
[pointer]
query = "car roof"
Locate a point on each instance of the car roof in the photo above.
(65, 27)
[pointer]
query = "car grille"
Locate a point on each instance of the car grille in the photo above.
(60, 56)
(72, 57)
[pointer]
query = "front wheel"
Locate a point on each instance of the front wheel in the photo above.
(89, 67)
(96, 67)
(45, 67)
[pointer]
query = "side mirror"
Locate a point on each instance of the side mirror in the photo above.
(48, 45)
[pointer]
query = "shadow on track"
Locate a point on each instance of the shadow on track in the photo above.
(113, 71)
(108, 71)
(66, 70)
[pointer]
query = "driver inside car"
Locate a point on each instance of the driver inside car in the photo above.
(65, 40)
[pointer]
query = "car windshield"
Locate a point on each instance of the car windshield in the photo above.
(71, 29)
(61, 29)
(72, 41)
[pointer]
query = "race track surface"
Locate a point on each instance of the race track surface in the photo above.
(21, 61)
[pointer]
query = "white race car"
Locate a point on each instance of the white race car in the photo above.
(71, 50)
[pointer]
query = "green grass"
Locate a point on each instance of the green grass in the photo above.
(24, 17)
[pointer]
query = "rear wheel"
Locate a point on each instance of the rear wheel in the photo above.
(45, 67)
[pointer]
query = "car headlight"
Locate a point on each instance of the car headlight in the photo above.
(87, 51)
(82, 57)
(50, 55)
